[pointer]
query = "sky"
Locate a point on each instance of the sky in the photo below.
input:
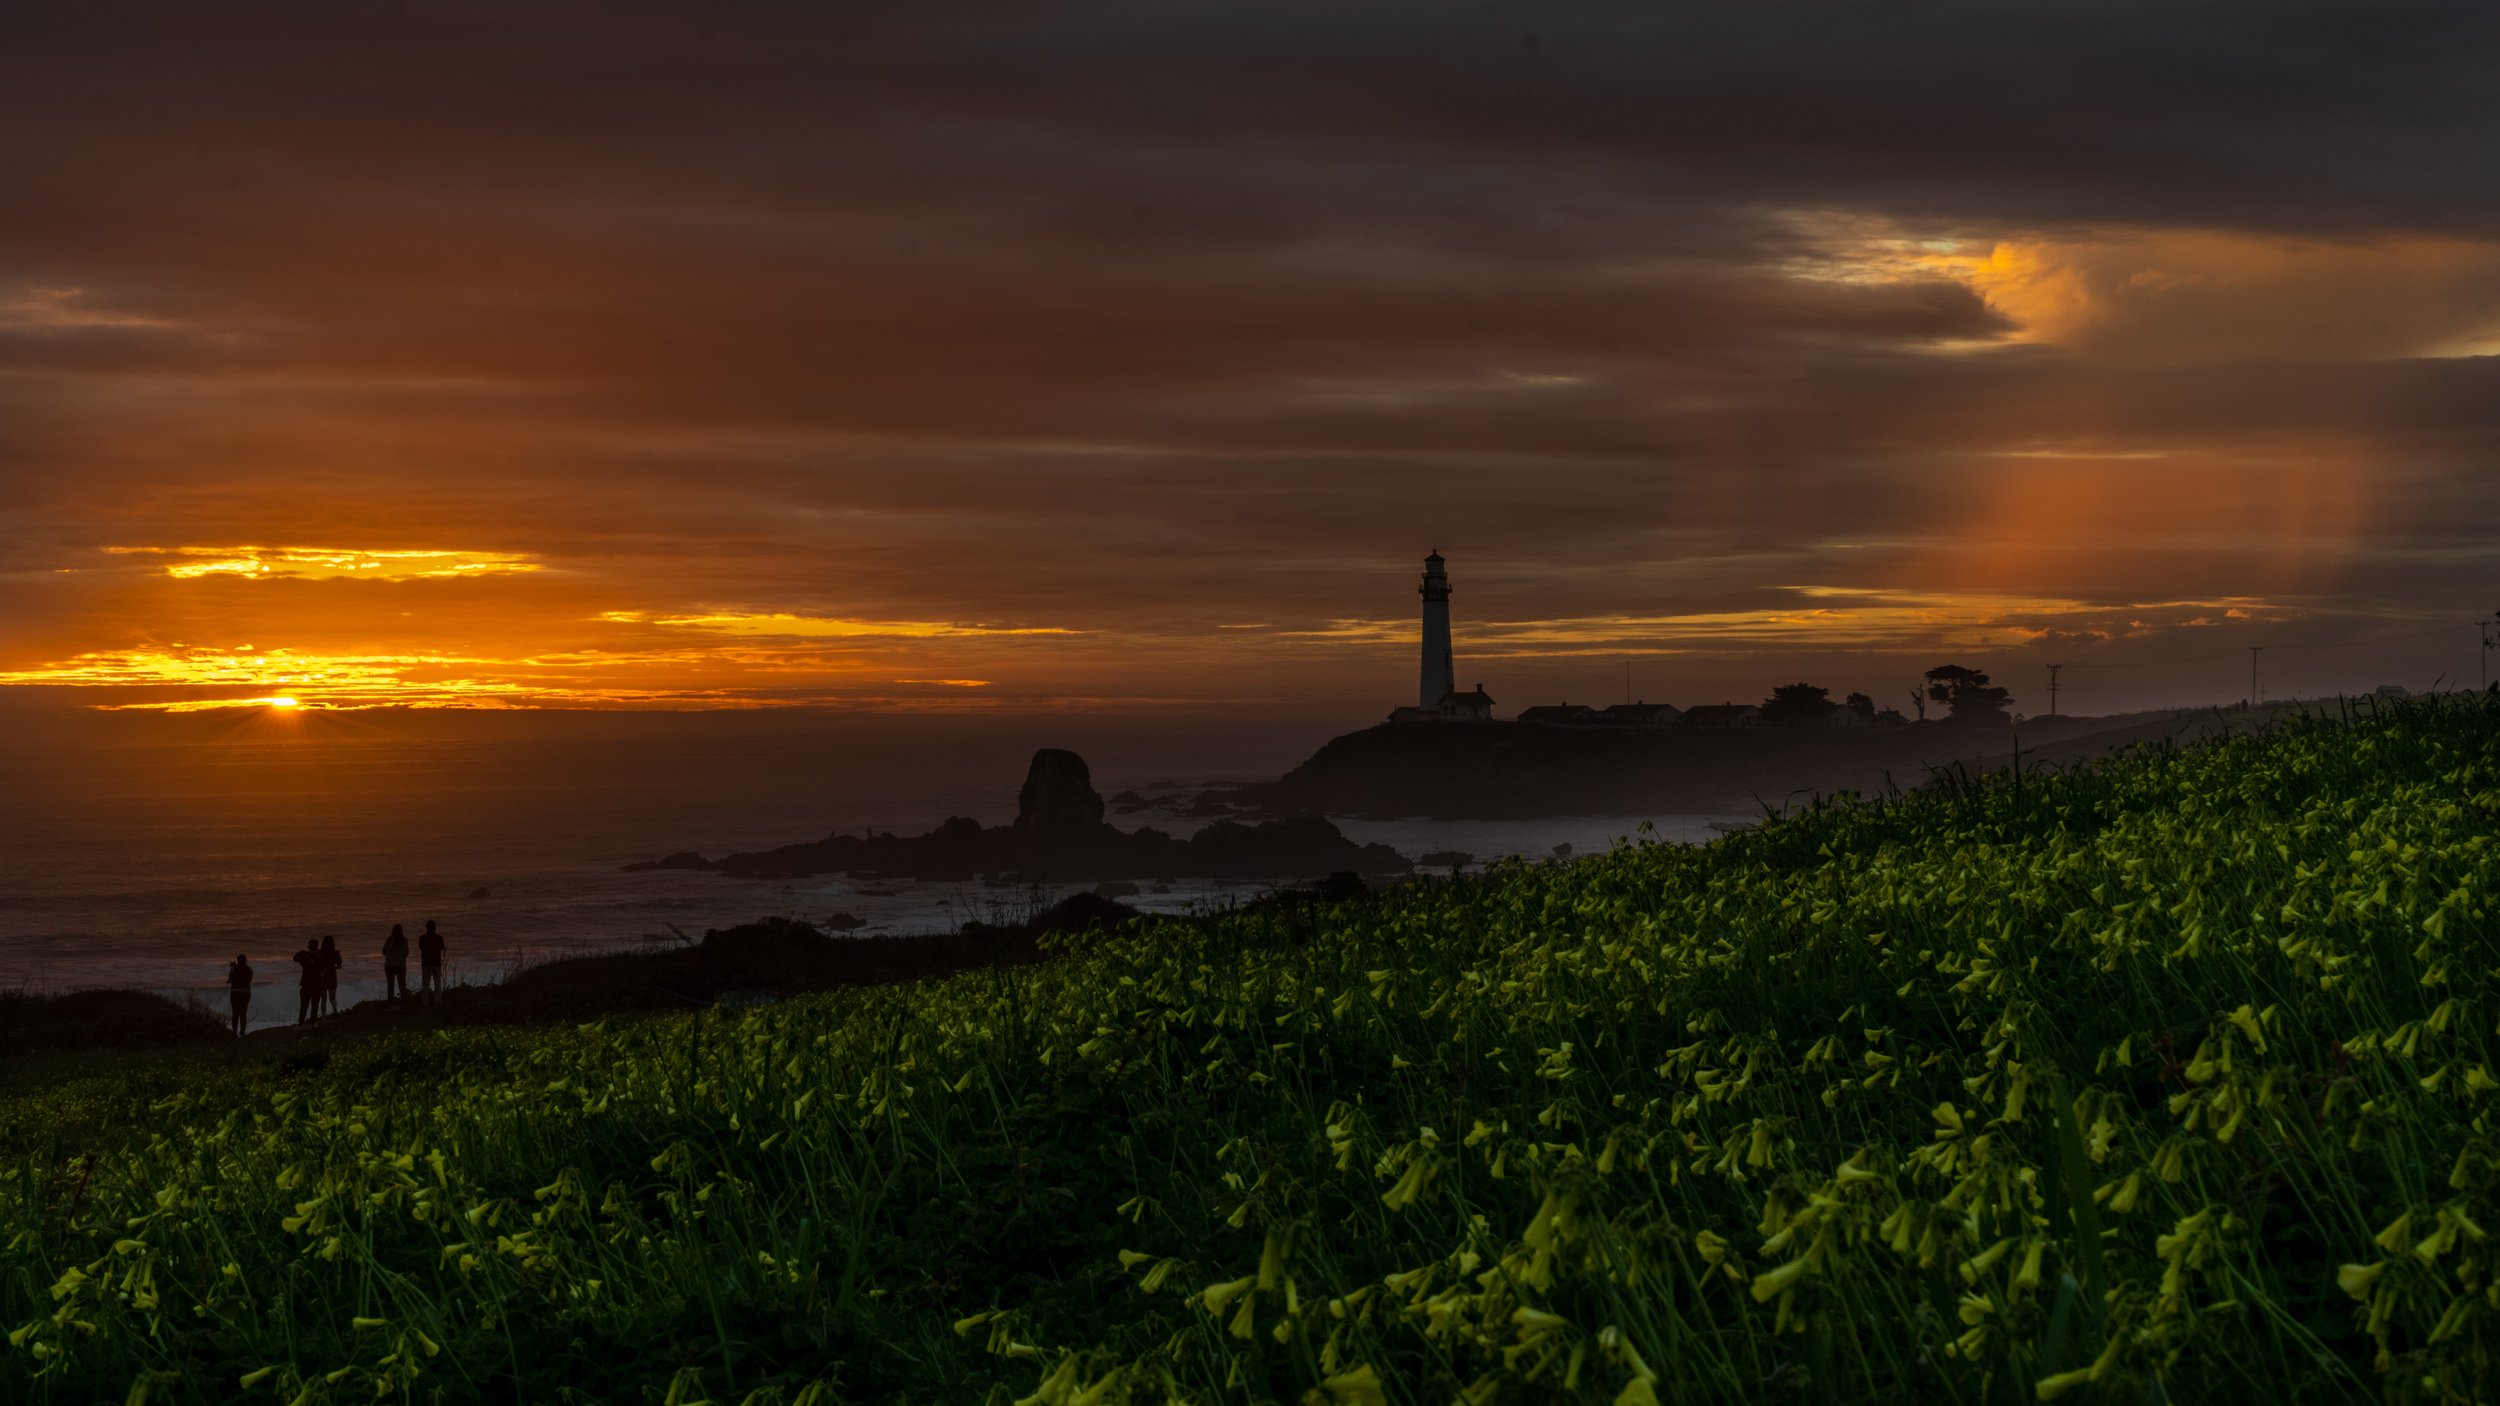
(1127, 358)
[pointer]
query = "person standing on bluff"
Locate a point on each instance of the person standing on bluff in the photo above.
(239, 992)
(308, 983)
(331, 961)
(430, 947)
(395, 963)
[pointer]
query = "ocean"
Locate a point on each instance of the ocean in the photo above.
(146, 851)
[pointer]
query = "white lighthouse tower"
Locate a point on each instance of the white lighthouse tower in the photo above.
(1440, 678)
(1438, 699)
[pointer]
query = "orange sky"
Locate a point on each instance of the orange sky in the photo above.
(628, 358)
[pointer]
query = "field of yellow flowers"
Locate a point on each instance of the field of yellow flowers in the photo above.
(2170, 1078)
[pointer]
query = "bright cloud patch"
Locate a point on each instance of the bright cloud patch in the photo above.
(329, 563)
(1825, 617)
(783, 626)
(2180, 295)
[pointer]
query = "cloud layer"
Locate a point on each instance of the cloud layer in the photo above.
(1135, 353)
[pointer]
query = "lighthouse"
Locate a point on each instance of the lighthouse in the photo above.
(1440, 678)
(1439, 700)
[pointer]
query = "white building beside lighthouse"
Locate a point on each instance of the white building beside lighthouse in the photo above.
(1437, 697)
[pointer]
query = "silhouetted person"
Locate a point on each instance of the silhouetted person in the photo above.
(239, 991)
(308, 984)
(395, 963)
(331, 961)
(430, 947)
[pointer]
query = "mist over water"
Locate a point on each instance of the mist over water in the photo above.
(145, 851)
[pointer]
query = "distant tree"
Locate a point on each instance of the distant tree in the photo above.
(1861, 704)
(1796, 705)
(1967, 695)
(1918, 700)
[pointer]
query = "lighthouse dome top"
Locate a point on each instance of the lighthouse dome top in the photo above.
(1436, 556)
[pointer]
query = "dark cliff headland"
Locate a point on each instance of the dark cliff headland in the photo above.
(1059, 835)
(1517, 771)
(1508, 770)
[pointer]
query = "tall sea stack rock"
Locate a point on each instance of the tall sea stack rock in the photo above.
(1058, 813)
(1058, 796)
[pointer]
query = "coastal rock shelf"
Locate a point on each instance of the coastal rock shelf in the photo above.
(1059, 835)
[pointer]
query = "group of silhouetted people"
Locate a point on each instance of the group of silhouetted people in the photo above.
(317, 986)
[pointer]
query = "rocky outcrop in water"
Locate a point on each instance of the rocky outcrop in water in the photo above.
(683, 859)
(1059, 836)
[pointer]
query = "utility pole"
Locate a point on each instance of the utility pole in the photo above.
(1627, 680)
(2482, 677)
(2053, 668)
(2253, 696)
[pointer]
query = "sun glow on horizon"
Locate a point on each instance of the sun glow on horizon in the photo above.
(740, 676)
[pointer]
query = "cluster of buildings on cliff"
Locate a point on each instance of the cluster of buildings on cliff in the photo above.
(1439, 699)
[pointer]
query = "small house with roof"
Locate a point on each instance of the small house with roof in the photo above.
(1723, 715)
(1562, 715)
(1642, 717)
(1473, 706)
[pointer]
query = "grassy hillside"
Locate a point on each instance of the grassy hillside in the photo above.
(2168, 1079)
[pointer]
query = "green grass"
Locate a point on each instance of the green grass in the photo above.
(2166, 1079)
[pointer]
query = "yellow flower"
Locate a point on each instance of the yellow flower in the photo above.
(1410, 1186)
(1359, 1387)
(1055, 1388)
(2356, 1279)
(2051, 1388)
(2246, 1019)
(1215, 1297)
(1773, 1283)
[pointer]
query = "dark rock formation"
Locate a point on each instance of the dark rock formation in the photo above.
(1058, 800)
(1301, 844)
(682, 859)
(96, 1020)
(773, 957)
(1059, 836)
